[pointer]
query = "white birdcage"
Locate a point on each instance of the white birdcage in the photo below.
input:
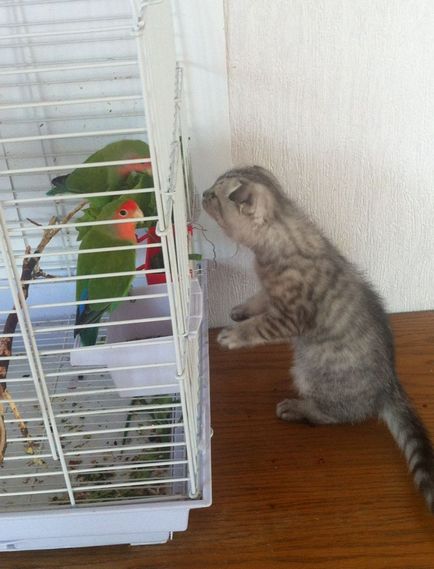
(117, 449)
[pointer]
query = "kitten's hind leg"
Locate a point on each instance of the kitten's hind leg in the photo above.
(303, 410)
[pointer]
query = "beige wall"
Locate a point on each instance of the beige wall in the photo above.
(337, 98)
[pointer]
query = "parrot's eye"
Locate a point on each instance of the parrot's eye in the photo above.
(123, 213)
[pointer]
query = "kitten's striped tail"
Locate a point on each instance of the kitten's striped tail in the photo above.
(413, 439)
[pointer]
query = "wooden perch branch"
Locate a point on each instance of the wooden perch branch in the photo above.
(11, 325)
(30, 270)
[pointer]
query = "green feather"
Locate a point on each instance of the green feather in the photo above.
(146, 202)
(101, 178)
(102, 236)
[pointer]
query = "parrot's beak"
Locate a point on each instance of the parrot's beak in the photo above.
(138, 213)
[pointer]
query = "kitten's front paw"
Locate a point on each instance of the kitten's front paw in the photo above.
(288, 410)
(228, 338)
(239, 313)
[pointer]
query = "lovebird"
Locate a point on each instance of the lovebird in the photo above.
(109, 235)
(107, 178)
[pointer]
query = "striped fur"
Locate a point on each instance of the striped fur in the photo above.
(314, 298)
(413, 439)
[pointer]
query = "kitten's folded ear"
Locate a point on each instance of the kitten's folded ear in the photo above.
(250, 200)
(244, 196)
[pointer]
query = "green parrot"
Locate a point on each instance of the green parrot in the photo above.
(110, 235)
(106, 178)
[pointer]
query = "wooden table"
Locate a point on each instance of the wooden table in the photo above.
(292, 496)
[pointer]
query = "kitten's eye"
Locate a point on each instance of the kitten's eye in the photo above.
(123, 213)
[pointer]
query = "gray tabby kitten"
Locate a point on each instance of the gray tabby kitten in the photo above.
(314, 298)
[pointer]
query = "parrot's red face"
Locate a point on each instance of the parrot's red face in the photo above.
(127, 210)
(125, 169)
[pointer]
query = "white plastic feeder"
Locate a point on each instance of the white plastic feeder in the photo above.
(149, 343)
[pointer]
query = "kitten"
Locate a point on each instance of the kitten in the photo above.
(314, 298)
